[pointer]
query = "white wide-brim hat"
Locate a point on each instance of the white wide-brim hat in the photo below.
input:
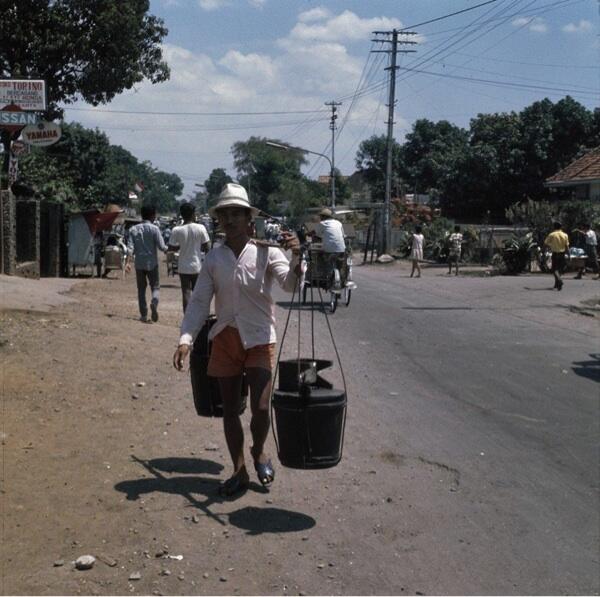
(233, 195)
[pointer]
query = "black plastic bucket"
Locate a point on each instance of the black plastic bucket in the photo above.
(207, 396)
(309, 418)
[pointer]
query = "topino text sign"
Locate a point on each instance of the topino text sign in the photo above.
(28, 94)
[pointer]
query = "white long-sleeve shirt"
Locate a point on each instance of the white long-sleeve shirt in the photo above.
(242, 290)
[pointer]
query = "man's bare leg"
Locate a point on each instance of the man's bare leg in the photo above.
(231, 394)
(259, 380)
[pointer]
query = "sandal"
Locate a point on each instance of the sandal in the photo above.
(265, 472)
(233, 486)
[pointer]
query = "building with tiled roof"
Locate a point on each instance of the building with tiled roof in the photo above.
(582, 175)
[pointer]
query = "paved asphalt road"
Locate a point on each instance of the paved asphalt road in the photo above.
(495, 382)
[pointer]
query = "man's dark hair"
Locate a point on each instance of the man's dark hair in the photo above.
(456, 228)
(418, 229)
(556, 225)
(148, 212)
(187, 210)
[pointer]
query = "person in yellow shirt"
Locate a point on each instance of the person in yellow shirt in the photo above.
(558, 242)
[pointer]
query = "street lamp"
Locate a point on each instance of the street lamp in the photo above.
(301, 149)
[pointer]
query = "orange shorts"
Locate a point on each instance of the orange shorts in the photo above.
(229, 358)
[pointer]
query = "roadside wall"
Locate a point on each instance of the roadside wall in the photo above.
(8, 233)
(28, 238)
(52, 226)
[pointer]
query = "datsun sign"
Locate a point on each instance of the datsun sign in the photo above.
(27, 94)
(17, 119)
(41, 134)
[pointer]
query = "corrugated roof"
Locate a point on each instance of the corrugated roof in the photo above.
(585, 169)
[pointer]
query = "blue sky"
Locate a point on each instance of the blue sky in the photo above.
(285, 58)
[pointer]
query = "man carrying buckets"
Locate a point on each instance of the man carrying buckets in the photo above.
(240, 274)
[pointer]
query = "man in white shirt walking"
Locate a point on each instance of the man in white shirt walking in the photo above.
(191, 240)
(240, 274)
(591, 250)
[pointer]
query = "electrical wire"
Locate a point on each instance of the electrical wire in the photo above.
(153, 113)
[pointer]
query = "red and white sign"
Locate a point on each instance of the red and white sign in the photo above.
(28, 94)
(41, 134)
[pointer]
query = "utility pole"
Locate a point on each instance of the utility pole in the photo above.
(333, 127)
(390, 37)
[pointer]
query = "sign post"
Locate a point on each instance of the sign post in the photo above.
(20, 99)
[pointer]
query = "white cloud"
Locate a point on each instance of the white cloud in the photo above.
(210, 5)
(318, 13)
(583, 26)
(534, 24)
(259, 69)
(298, 74)
(346, 26)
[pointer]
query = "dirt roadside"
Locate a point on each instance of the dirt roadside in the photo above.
(103, 454)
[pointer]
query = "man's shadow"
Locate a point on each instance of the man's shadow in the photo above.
(589, 369)
(189, 485)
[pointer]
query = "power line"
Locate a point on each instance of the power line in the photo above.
(452, 14)
(194, 113)
(542, 64)
(501, 83)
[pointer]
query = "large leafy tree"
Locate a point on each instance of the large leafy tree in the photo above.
(263, 170)
(84, 49)
(430, 153)
(215, 182)
(371, 160)
(83, 169)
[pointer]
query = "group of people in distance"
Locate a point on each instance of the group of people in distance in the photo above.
(417, 245)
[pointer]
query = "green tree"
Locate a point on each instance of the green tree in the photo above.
(83, 49)
(215, 182)
(83, 170)
(430, 153)
(263, 170)
(371, 160)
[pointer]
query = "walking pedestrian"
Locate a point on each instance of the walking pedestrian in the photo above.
(416, 251)
(144, 241)
(558, 242)
(591, 250)
(455, 240)
(240, 275)
(191, 240)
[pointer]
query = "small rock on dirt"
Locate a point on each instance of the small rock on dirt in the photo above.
(223, 578)
(107, 560)
(140, 384)
(385, 258)
(85, 562)
(205, 575)
(211, 447)
(134, 396)
(135, 576)
(59, 563)
(165, 572)
(195, 519)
